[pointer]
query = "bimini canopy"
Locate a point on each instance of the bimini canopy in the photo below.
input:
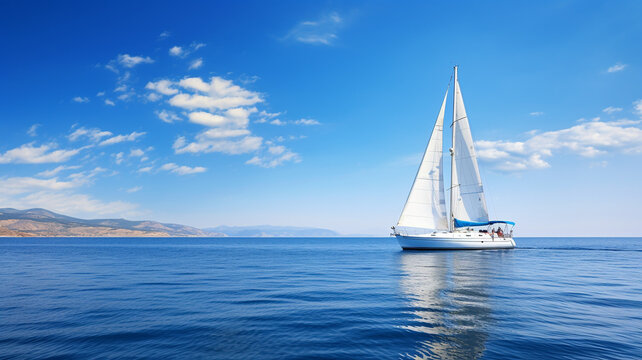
(463, 223)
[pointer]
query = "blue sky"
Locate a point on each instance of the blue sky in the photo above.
(316, 113)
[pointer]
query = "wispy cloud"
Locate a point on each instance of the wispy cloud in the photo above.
(80, 99)
(19, 185)
(182, 169)
(322, 31)
(617, 67)
(167, 116)
(637, 107)
(274, 156)
(33, 130)
(307, 122)
(206, 144)
(92, 134)
(588, 139)
(96, 136)
(184, 51)
(129, 61)
(55, 171)
(536, 113)
(30, 154)
(120, 138)
(134, 189)
(196, 64)
(611, 109)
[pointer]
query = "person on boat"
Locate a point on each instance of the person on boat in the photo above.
(500, 232)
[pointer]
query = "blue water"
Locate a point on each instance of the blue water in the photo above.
(318, 298)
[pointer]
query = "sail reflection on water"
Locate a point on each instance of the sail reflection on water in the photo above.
(448, 295)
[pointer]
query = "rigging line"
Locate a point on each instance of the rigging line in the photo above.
(461, 118)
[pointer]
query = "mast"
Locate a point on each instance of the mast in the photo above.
(451, 222)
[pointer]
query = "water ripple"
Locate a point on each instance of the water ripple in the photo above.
(318, 299)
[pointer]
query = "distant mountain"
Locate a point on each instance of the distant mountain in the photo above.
(272, 231)
(41, 222)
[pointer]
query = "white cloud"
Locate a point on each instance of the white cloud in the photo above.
(129, 61)
(637, 107)
(183, 52)
(136, 153)
(264, 116)
(205, 144)
(84, 177)
(536, 113)
(588, 139)
(207, 119)
(217, 94)
(93, 134)
(120, 138)
(30, 154)
(109, 102)
(119, 157)
(307, 122)
(19, 185)
(145, 169)
(276, 155)
(161, 86)
(611, 109)
(134, 189)
(80, 99)
(224, 133)
(277, 122)
(167, 116)
(196, 64)
(164, 34)
(320, 32)
(182, 169)
(236, 117)
(33, 130)
(617, 67)
(225, 109)
(121, 88)
(276, 150)
(55, 171)
(100, 93)
(176, 51)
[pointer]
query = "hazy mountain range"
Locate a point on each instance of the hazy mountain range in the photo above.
(41, 222)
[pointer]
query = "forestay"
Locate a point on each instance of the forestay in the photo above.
(469, 202)
(426, 204)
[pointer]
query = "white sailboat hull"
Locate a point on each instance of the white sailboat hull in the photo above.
(454, 241)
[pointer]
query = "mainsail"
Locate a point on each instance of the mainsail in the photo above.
(468, 202)
(426, 204)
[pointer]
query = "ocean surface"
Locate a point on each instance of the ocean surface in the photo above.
(333, 298)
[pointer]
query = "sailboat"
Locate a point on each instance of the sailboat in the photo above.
(423, 224)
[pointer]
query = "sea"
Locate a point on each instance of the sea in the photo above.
(318, 298)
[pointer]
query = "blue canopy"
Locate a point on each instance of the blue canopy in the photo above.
(464, 223)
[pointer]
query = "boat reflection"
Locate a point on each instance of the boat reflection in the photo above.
(448, 296)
